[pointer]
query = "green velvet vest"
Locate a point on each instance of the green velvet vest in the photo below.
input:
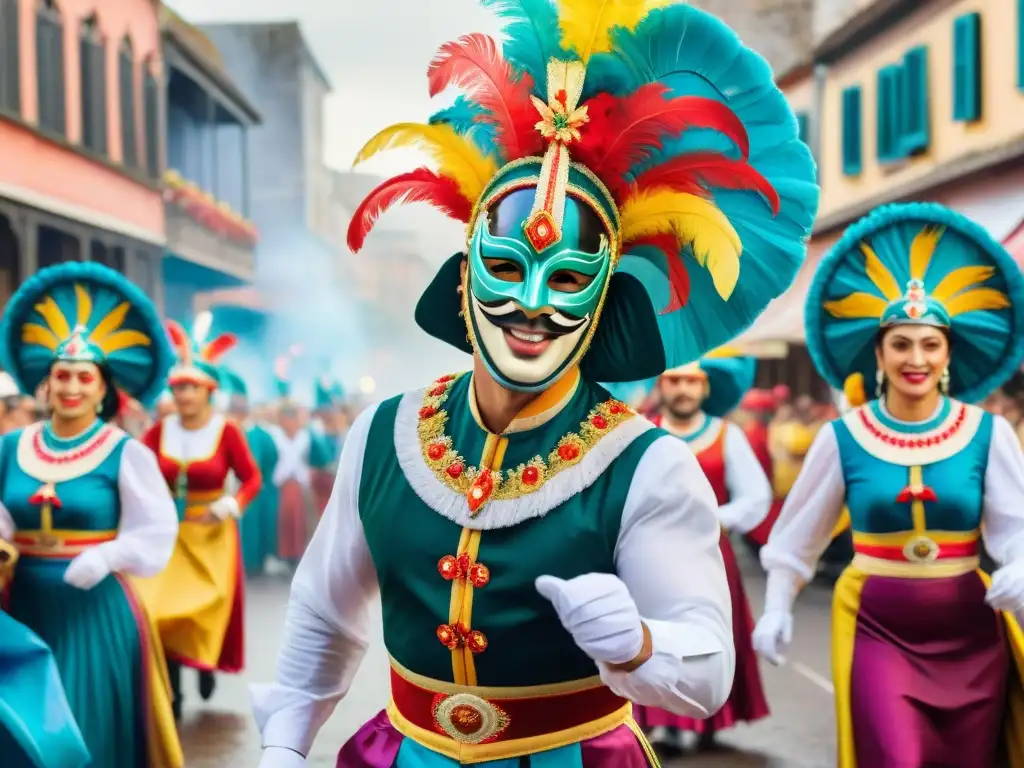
(525, 641)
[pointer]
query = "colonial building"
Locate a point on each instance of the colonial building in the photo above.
(81, 137)
(211, 242)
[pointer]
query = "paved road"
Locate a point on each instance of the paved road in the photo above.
(799, 734)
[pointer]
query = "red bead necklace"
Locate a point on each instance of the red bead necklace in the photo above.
(914, 442)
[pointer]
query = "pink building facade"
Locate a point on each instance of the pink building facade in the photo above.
(81, 137)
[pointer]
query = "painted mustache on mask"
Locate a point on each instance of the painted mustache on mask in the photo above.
(508, 315)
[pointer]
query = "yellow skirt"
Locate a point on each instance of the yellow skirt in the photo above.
(197, 602)
(892, 596)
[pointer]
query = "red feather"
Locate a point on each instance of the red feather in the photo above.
(702, 170)
(624, 131)
(678, 277)
(474, 63)
(420, 186)
(220, 346)
(179, 338)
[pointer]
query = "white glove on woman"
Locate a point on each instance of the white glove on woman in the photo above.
(279, 757)
(1007, 590)
(224, 507)
(87, 569)
(599, 613)
(773, 633)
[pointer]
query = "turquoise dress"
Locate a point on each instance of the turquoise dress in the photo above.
(259, 523)
(97, 642)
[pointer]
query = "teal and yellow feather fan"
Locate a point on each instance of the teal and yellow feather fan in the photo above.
(85, 312)
(672, 128)
(918, 263)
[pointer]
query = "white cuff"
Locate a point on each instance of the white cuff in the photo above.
(225, 507)
(781, 590)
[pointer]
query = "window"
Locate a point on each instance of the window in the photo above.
(93, 64)
(914, 115)
(801, 126)
(50, 67)
(151, 104)
(126, 81)
(851, 131)
(10, 89)
(967, 67)
(890, 89)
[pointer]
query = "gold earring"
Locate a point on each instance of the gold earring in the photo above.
(879, 383)
(99, 407)
(944, 381)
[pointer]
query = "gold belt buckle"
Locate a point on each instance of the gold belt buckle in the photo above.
(921, 549)
(468, 719)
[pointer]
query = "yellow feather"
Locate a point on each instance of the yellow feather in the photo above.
(457, 157)
(33, 333)
(119, 340)
(84, 305)
(696, 222)
(54, 317)
(857, 305)
(921, 250)
(110, 323)
(586, 24)
(880, 276)
(724, 353)
(854, 390)
(960, 279)
(977, 299)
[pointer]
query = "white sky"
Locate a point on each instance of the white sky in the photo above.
(375, 52)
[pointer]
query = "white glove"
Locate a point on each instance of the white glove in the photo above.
(224, 507)
(773, 633)
(87, 569)
(1007, 590)
(599, 613)
(280, 757)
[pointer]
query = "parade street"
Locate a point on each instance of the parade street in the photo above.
(799, 734)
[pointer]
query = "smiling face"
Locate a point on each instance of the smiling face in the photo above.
(75, 390)
(531, 312)
(190, 399)
(913, 359)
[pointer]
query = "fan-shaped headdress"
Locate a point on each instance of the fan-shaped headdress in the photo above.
(85, 312)
(199, 356)
(651, 116)
(233, 383)
(328, 393)
(917, 263)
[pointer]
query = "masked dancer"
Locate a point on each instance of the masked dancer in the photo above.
(694, 399)
(85, 507)
(544, 555)
(923, 305)
(198, 601)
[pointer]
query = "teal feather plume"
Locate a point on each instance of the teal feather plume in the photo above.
(533, 37)
(465, 117)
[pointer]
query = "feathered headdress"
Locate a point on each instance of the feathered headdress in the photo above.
(85, 312)
(282, 365)
(199, 356)
(653, 113)
(913, 264)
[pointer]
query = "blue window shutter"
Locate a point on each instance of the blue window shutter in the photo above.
(851, 131)
(801, 126)
(888, 109)
(967, 67)
(914, 129)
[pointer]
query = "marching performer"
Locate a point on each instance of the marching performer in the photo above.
(84, 505)
(544, 555)
(924, 306)
(694, 399)
(329, 397)
(198, 601)
(259, 524)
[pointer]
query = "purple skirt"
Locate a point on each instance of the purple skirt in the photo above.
(746, 701)
(377, 744)
(929, 674)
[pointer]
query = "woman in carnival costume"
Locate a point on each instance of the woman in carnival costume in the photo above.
(694, 400)
(84, 505)
(198, 601)
(328, 399)
(925, 306)
(259, 524)
(544, 555)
